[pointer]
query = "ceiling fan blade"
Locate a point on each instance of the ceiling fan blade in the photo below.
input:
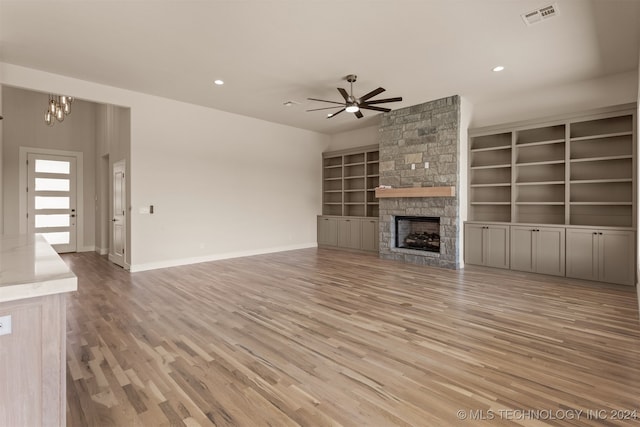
(358, 114)
(369, 107)
(371, 94)
(325, 108)
(382, 101)
(344, 94)
(335, 114)
(322, 100)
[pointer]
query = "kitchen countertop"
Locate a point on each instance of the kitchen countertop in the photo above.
(29, 267)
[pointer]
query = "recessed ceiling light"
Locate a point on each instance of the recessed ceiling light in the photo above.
(218, 82)
(498, 68)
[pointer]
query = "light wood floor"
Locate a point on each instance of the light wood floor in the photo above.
(322, 337)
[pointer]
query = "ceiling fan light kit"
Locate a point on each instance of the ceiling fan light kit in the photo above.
(354, 105)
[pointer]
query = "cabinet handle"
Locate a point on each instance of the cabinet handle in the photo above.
(600, 234)
(595, 234)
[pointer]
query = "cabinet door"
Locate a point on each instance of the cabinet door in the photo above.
(549, 251)
(582, 253)
(349, 233)
(370, 235)
(522, 249)
(616, 257)
(327, 231)
(496, 248)
(473, 243)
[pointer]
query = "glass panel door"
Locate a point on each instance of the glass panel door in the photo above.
(51, 199)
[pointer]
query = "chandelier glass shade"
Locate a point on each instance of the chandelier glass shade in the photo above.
(58, 107)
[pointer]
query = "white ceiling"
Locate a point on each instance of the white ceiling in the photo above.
(272, 51)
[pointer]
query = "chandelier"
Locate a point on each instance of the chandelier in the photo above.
(59, 106)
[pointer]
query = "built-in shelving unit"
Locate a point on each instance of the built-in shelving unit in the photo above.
(578, 171)
(349, 181)
(490, 162)
(558, 193)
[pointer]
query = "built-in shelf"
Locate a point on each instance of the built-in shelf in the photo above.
(534, 144)
(546, 162)
(416, 192)
(574, 171)
(348, 176)
(601, 136)
(491, 203)
(541, 183)
(500, 184)
(504, 165)
(480, 150)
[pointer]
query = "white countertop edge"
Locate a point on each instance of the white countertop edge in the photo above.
(38, 289)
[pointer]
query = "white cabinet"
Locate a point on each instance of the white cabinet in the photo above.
(538, 249)
(487, 245)
(602, 255)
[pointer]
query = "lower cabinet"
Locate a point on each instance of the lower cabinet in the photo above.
(538, 249)
(602, 255)
(370, 235)
(349, 233)
(486, 245)
(359, 233)
(327, 231)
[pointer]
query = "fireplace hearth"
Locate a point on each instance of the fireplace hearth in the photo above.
(418, 233)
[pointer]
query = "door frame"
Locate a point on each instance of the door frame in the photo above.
(22, 193)
(122, 165)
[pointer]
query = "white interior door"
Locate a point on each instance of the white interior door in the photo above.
(51, 199)
(118, 220)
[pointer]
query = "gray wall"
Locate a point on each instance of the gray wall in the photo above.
(24, 126)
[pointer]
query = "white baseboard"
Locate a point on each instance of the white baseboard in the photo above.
(216, 257)
(102, 251)
(86, 249)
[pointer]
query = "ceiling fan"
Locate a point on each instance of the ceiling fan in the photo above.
(352, 104)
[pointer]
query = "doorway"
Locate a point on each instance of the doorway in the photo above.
(118, 218)
(53, 183)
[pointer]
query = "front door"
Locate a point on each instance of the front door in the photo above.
(118, 227)
(51, 199)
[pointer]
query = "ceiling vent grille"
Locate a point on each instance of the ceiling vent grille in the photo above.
(541, 14)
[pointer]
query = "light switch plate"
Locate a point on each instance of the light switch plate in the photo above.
(5, 325)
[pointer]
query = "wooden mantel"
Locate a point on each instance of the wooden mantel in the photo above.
(416, 192)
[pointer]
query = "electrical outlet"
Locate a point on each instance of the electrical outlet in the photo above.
(5, 325)
(413, 166)
(426, 165)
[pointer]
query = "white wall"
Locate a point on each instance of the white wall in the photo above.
(354, 138)
(638, 190)
(570, 98)
(466, 113)
(24, 127)
(1, 162)
(222, 184)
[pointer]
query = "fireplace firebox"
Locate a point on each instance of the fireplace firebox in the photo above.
(421, 233)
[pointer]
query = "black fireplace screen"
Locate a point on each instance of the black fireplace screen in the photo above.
(418, 232)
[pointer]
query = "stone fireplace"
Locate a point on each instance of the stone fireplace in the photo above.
(420, 147)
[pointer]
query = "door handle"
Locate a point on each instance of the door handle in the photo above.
(114, 220)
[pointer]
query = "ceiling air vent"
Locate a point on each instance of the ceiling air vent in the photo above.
(540, 14)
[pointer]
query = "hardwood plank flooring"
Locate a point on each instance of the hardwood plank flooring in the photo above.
(320, 337)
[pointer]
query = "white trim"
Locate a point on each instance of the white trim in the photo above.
(216, 257)
(22, 185)
(102, 251)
